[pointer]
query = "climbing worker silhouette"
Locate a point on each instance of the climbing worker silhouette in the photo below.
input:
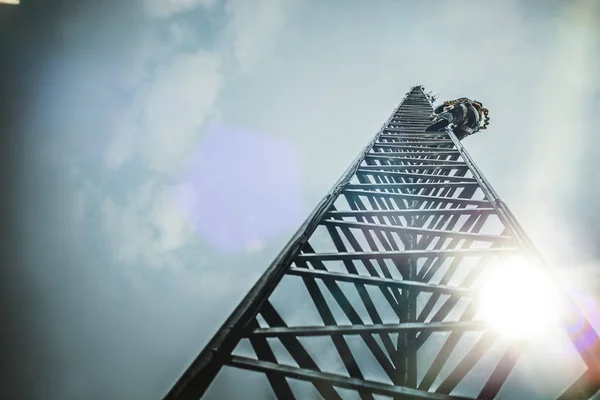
(466, 116)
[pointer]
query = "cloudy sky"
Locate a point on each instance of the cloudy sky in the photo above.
(161, 152)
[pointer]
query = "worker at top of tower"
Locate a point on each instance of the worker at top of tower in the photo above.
(466, 116)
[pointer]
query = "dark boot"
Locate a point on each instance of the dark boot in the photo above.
(460, 134)
(441, 122)
(438, 125)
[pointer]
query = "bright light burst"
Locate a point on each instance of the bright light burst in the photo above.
(519, 300)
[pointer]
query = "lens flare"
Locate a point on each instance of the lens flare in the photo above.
(519, 300)
(242, 189)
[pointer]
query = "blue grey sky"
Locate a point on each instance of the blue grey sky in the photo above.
(122, 283)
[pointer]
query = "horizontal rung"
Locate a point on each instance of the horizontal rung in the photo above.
(415, 185)
(417, 136)
(425, 113)
(385, 282)
(314, 376)
(416, 153)
(409, 120)
(483, 203)
(420, 231)
(402, 139)
(425, 146)
(421, 132)
(414, 160)
(429, 150)
(452, 178)
(411, 212)
(405, 253)
(415, 132)
(374, 328)
(407, 127)
(412, 167)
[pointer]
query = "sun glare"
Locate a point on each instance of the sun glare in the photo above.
(519, 300)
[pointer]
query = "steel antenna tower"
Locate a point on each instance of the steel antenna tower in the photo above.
(387, 263)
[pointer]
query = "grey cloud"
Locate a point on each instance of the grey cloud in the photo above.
(172, 107)
(254, 27)
(169, 8)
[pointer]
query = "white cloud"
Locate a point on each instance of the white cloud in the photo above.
(166, 118)
(168, 8)
(181, 96)
(175, 92)
(122, 145)
(174, 230)
(564, 105)
(181, 33)
(135, 70)
(253, 28)
(160, 128)
(146, 228)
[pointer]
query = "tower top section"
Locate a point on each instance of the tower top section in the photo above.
(463, 115)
